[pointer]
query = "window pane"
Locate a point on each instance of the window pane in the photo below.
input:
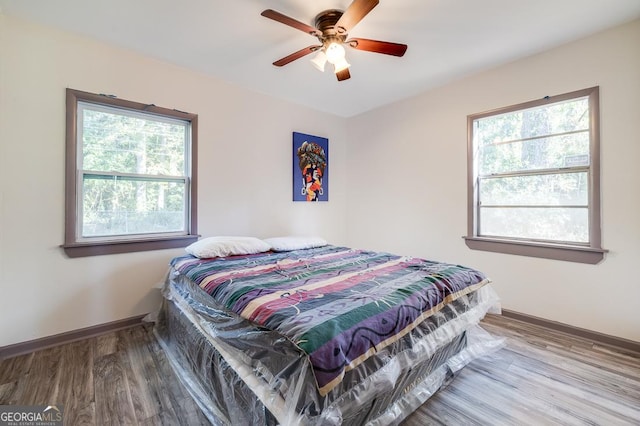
(121, 206)
(534, 154)
(560, 189)
(540, 121)
(552, 224)
(127, 144)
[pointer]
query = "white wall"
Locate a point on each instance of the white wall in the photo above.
(406, 180)
(244, 176)
(408, 161)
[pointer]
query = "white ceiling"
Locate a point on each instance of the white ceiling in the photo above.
(228, 39)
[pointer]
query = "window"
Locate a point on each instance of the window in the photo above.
(130, 176)
(533, 180)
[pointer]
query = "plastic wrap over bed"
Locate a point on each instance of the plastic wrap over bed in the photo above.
(242, 372)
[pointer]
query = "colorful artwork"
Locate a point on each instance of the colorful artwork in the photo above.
(310, 168)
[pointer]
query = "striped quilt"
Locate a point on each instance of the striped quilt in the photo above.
(338, 305)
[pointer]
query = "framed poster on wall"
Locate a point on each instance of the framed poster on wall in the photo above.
(310, 168)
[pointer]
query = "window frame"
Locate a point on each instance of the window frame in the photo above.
(75, 244)
(591, 252)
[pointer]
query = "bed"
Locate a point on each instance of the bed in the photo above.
(325, 335)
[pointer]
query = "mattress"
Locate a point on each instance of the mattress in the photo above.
(320, 336)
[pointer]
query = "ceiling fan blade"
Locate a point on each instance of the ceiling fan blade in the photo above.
(296, 55)
(343, 75)
(386, 47)
(354, 14)
(283, 19)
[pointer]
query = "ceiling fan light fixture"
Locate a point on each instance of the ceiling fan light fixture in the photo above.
(331, 28)
(335, 53)
(319, 60)
(341, 65)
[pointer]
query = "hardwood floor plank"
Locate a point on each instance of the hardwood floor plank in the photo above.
(11, 393)
(148, 391)
(77, 383)
(41, 381)
(622, 355)
(106, 344)
(7, 393)
(113, 399)
(161, 419)
(13, 368)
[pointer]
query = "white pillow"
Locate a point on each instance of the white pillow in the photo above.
(294, 243)
(226, 246)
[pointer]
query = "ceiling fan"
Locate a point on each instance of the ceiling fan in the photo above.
(331, 28)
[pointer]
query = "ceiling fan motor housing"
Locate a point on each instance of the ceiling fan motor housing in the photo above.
(326, 23)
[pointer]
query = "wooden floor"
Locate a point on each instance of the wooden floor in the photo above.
(540, 378)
